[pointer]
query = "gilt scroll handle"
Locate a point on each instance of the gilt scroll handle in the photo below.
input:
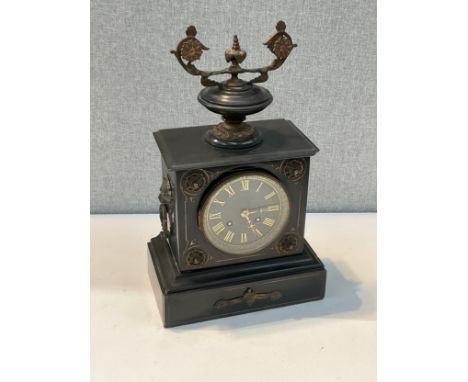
(191, 49)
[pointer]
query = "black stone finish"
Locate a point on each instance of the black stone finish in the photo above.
(193, 280)
(186, 156)
(215, 293)
(185, 148)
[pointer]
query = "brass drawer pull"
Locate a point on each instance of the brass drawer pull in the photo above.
(249, 297)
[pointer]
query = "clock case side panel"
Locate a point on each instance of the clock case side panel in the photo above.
(187, 238)
(302, 203)
(169, 205)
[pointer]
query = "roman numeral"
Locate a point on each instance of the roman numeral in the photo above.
(214, 216)
(243, 238)
(219, 202)
(274, 207)
(245, 185)
(258, 188)
(270, 195)
(230, 191)
(269, 222)
(218, 228)
(229, 236)
(258, 232)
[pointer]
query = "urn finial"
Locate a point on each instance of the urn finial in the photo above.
(234, 98)
(235, 55)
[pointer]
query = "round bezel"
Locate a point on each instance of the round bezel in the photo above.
(221, 239)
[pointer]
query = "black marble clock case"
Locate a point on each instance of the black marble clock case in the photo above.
(193, 280)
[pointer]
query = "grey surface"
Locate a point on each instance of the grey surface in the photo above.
(327, 88)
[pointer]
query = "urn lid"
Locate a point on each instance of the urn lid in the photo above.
(235, 97)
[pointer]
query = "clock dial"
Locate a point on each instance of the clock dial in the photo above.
(245, 213)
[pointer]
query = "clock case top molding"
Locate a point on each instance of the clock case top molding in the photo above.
(191, 167)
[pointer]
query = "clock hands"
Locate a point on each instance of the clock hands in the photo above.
(248, 212)
(245, 214)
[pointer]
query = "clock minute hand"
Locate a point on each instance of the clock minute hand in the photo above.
(249, 212)
(259, 209)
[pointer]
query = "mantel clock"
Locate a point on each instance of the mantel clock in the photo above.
(233, 200)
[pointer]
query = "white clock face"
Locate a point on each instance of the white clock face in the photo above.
(245, 213)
